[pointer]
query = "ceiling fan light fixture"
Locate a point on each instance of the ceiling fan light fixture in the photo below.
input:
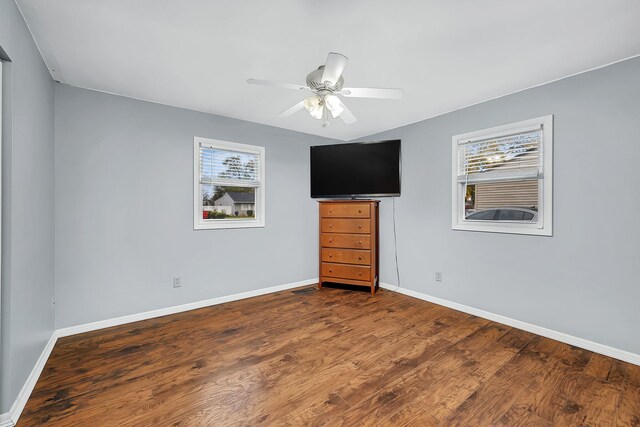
(310, 103)
(334, 105)
(316, 113)
(313, 105)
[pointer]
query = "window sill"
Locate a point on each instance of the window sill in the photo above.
(229, 224)
(510, 228)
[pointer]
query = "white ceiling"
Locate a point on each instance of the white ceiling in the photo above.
(197, 54)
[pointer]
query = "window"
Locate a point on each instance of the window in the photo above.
(228, 185)
(502, 178)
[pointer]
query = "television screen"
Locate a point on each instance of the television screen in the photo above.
(356, 169)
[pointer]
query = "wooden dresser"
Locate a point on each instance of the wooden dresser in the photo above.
(349, 242)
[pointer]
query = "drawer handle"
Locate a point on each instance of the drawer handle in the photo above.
(360, 226)
(330, 225)
(330, 271)
(330, 211)
(359, 258)
(359, 273)
(359, 210)
(330, 255)
(330, 240)
(360, 243)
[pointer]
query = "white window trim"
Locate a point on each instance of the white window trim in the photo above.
(201, 224)
(544, 227)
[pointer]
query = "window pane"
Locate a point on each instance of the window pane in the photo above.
(508, 153)
(228, 203)
(224, 164)
(470, 200)
(515, 201)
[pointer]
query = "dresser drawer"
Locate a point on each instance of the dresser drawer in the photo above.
(346, 256)
(345, 241)
(344, 271)
(343, 225)
(345, 210)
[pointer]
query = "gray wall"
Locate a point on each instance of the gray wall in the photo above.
(27, 211)
(585, 280)
(124, 209)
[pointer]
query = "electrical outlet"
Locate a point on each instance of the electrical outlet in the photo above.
(177, 282)
(438, 276)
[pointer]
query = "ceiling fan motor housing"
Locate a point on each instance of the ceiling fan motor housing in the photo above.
(314, 81)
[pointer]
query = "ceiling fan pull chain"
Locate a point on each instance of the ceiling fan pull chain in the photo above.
(325, 113)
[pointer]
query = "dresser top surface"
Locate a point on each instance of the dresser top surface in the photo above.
(349, 201)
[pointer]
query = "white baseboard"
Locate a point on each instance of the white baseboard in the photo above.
(116, 321)
(5, 420)
(10, 418)
(549, 333)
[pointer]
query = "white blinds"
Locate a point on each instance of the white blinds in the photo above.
(503, 158)
(228, 167)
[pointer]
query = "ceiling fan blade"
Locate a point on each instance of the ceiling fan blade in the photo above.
(346, 115)
(292, 110)
(372, 92)
(334, 67)
(276, 84)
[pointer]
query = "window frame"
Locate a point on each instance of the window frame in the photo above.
(212, 224)
(544, 226)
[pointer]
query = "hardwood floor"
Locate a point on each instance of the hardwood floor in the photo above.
(328, 357)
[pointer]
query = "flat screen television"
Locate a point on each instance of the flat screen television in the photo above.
(363, 169)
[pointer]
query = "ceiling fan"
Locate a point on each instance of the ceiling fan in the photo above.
(326, 83)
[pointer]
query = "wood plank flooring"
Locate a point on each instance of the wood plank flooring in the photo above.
(328, 357)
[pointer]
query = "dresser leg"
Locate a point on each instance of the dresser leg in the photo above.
(319, 285)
